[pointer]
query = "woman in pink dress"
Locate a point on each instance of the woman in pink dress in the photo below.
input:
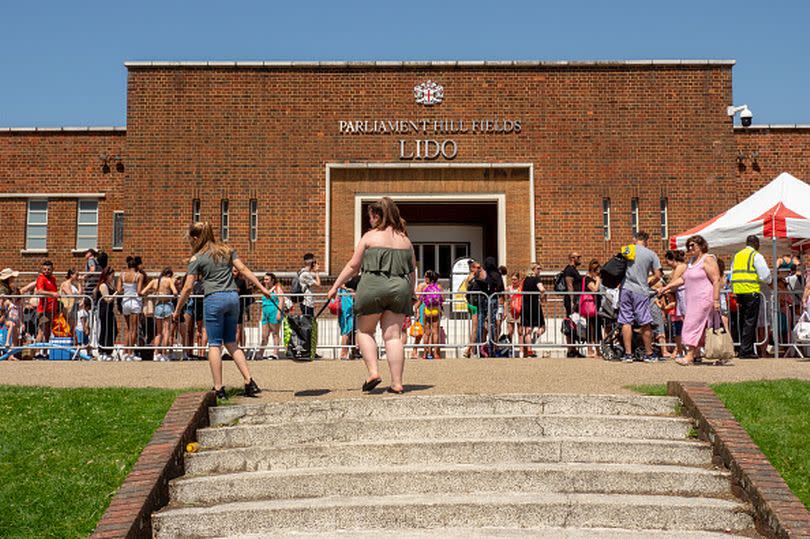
(701, 281)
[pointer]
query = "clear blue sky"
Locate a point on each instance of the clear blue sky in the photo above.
(61, 63)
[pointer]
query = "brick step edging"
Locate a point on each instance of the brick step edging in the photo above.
(777, 511)
(146, 488)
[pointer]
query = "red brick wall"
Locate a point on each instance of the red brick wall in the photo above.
(591, 131)
(777, 150)
(56, 162)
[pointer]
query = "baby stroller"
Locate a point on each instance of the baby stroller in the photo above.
(612, 344)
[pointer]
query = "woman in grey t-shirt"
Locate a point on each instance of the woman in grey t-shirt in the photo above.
(212, 262)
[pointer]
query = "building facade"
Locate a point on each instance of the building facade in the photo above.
(524, 161)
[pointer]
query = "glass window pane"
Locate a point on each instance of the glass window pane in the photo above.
(86, 243)
(36, 243)
(87, 231)
(118, 230)
(37, 218)
(88, 218)
(88, 205)
(38, 205)
(461, 251)
(37, 231)
(445, 260)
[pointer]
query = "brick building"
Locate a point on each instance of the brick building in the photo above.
(521, 160)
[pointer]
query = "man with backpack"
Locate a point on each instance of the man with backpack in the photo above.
(304, 326)
(307, 278)
(565, 282)
(634, 297)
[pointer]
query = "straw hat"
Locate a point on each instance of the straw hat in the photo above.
(7, 273)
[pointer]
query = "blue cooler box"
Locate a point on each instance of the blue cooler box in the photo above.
(60, 353)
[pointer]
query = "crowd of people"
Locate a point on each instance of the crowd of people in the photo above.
(655, 315)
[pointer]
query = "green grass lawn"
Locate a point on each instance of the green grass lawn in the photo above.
(776, 414)
(64, 453)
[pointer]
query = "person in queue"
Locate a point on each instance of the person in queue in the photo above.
(702, 283)
(212, 262)
(385, 292)
(748, 271)
(634, 297)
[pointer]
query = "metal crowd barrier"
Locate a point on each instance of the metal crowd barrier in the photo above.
(43, 326)
(468, 324)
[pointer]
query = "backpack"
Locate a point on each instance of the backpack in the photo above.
(432, 295)
(612, 273)
(296, 290)
(559, 282)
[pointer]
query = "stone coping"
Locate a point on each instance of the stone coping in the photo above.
(778, 512)
(146, 488)
(429, 63)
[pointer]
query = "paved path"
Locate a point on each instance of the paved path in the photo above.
(285, 380)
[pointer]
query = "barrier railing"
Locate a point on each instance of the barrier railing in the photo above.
(461, 324)
(46, 326)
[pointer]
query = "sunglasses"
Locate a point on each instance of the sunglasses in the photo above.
(690, 245)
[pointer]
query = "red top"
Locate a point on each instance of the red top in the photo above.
(49, 285)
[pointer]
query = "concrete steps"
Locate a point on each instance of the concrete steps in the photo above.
(445, 427)
(461, 451)
(453, 466)
(445, 405)
(497, 533)
(466, 510)
(450, 479)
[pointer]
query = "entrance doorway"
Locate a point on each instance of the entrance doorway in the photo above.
(442, 232)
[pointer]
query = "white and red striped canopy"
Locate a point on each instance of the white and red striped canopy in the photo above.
(779, 210)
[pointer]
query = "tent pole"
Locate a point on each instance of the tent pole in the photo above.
(775, 295)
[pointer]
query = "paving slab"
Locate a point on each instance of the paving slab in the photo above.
(287, 380)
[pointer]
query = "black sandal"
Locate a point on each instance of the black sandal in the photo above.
(396, 391)
(371, 384)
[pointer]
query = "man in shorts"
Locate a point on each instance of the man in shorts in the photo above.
(48, 304)
(634, 298)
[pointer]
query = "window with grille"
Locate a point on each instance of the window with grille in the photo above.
(634, 215)
(36, 230)
(195, 210)
(87, 225)
(606, 218)
(118, 230)
(254, 219)
(225, 227)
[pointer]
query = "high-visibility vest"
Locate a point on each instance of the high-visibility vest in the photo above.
(744, 278)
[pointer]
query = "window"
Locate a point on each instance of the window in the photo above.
(634, 215)
(606, 218)
(36, 230)
(439, 257)
(254, 219)
(87, 225)
(195, 211)
(225, 227)
(118, 230)
(664, 218)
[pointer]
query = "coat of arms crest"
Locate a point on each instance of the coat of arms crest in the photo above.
(428, 93)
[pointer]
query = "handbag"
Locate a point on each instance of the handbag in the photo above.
(717, 343)
(587, 303)
(516, 302)
(801, 331)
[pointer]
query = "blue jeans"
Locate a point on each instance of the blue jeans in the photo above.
(221, 312)
(492, 321)
(482, 317)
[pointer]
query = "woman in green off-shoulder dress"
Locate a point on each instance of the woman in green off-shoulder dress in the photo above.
(385, 293)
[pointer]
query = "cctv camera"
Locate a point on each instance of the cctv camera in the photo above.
(746, 117)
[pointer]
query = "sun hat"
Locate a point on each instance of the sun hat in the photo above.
(7, 273)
